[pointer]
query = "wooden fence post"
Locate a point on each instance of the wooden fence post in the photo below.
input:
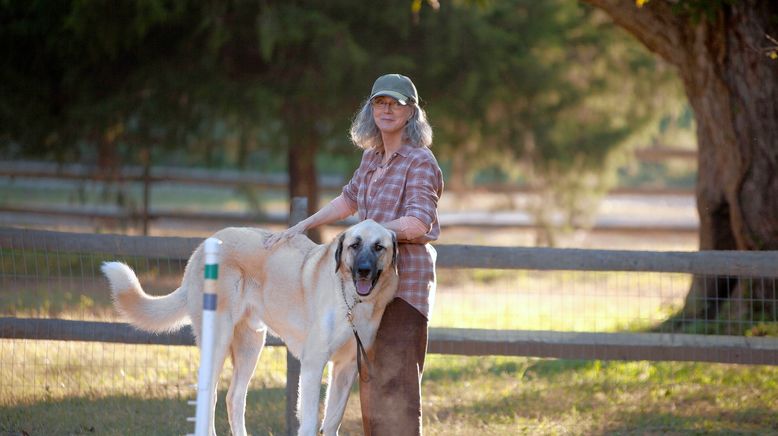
(297, 213)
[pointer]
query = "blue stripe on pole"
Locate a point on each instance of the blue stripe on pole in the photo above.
(209, 301)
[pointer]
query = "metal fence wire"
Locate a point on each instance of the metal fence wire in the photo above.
(60, 337)
(55, 285)
(606, 301)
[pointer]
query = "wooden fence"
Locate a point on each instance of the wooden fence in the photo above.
(472, 342)
(626, 346)
(145, 213)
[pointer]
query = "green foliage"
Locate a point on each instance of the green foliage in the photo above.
(658, 175)
(754, 323)
(536, 79)
(112, 77)
(546, 91)
(763, 329)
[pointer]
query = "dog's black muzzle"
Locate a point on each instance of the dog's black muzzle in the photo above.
(365, 272)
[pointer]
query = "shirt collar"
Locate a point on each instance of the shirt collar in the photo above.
(404, 150)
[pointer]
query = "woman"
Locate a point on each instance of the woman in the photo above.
(398, 184)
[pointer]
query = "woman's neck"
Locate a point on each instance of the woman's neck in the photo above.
(392, 143)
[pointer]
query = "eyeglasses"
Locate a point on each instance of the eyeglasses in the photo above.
(384, 104)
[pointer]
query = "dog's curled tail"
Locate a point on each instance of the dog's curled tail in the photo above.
(150, 313)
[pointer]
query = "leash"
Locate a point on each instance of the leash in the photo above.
(361, 353)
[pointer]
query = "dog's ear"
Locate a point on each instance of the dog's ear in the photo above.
(395, 249)
(339, 251)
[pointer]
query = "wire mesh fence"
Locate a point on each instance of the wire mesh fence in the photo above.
(532, 302)
(65, 285)
(558, 300)
(606, 301)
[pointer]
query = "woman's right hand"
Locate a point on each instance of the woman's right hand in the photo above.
(289, 233)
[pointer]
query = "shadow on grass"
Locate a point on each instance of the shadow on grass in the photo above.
(548, 396)
(124, 415)
(459, 368)
(749, 421)
(536, 413)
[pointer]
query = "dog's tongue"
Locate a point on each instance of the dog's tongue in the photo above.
(363, 286)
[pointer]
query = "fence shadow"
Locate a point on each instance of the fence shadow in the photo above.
(133, 415)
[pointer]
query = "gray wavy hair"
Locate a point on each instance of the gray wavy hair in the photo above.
(365, 133)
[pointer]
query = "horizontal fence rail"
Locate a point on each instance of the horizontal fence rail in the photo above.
(280, 181)
(145, 213)
(120, 245)
(735, 263)
(471, 220)
(467, 342)
(606, 346)
(156, 174)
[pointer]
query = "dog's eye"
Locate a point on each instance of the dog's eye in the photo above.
(378, 247)
(354, 246)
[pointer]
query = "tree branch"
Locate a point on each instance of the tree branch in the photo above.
(654, 24)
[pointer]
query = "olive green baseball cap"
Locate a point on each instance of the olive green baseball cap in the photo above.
(396, 86)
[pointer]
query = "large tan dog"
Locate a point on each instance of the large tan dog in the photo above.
(312, 296)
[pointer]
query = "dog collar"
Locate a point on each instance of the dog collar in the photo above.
(349, 308)
(361, 353)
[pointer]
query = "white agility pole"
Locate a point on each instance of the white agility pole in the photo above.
(207, 339)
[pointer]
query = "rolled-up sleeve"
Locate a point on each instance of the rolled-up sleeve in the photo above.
(351, 190)
(423, 188)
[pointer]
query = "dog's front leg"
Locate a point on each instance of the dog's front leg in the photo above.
(344, 371)
(311, 369)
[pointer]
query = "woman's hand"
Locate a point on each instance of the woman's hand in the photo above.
(291, 232)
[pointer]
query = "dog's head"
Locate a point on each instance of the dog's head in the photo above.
(366, 250)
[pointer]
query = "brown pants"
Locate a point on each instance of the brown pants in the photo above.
(391, 395)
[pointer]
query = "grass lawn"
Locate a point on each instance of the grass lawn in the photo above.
(462, 396)
(65, 388)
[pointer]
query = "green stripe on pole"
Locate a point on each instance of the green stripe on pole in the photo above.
(212, 271)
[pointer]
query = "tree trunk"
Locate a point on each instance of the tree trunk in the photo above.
(732, 85)
(303, 146)
(302, 177)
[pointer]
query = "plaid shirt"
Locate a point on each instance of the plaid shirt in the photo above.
(410, 185)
